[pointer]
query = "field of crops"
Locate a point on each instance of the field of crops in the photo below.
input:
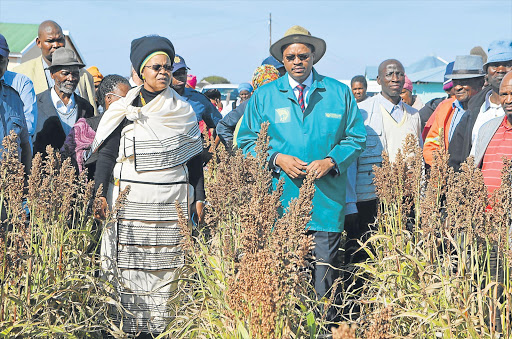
(439, 256)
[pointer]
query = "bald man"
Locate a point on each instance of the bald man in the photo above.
(49, 38)
(388, 120)
(494, 139)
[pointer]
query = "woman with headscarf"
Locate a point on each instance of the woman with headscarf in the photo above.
(150, 141)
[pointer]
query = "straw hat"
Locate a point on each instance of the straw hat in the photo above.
(298, 34)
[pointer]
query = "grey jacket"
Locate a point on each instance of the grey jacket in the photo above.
(485, 134)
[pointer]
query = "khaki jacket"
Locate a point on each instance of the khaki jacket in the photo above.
(34, 70)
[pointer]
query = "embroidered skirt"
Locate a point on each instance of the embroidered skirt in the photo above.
(141, 252)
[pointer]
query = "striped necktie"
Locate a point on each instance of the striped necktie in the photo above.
(301, 88)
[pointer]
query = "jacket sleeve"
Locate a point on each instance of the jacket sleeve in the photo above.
(456, 146)
(87, 91)
(28, 96)
(249, 127)
(354, 143)
(351, 197)
(226, 126)
(432, 140)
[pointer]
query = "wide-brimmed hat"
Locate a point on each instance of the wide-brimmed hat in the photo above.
(298, 34)
(467, 66)
(499, 51)
(65, 57)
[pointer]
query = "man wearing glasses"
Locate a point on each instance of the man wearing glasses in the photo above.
(315, 127)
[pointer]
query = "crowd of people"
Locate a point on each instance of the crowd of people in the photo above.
(145, 132)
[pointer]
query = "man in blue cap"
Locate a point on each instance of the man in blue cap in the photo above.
(484, 106)
(11, 110)
(200, 103)
(25, 88)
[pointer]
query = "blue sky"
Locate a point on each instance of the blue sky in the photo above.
(231, 38)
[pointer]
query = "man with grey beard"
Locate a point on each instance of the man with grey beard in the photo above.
(59, 107)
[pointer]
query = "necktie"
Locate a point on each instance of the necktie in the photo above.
(301, 88)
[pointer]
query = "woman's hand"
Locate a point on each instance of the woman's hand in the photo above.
(101, 210)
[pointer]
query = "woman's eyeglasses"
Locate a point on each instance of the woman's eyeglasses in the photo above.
(116, 95)
(157, 67)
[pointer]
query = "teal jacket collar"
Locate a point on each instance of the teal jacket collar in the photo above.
(284, 85)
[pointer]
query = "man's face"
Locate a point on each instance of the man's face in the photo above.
(49, 41)
(406, 96)
(465, 88)
(359, 91)
(496, 71)
(506, 95)
(179, 79)
(66, 79)
(3, 65)
(391, 78)
(298, 61)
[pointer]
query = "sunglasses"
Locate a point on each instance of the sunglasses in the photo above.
(301, 57)
(157, 67)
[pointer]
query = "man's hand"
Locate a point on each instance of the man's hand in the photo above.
(200, 211)
(101, 211)
(319, 168)
(293, 166)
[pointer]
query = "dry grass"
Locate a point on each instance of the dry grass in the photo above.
(440, 258)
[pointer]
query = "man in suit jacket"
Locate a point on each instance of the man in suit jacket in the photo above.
(59, 107)
(49, 39)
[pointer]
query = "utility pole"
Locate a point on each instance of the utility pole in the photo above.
(270, 29)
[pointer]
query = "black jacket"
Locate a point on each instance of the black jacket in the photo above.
(227, 125)
(460, 145)
(427, 110)
(51, 133)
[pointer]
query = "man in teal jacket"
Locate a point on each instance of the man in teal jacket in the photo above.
(315, 126)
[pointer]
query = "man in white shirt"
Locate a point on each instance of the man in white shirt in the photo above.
(59, 107)
(387, 120)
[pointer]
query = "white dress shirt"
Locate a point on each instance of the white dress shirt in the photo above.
(307, 85)
(488, 111)
(396, 111)
(67, 113)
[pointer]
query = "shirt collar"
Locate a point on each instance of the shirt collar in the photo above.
(388, 105)
(504, 123)
(45, 65)
(488, 104)
(456, 104)
(57, 102)
(308, 82)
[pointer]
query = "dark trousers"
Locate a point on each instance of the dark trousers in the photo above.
(326, 254)
(356, 228)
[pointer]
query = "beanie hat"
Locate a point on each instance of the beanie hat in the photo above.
(143, 48)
